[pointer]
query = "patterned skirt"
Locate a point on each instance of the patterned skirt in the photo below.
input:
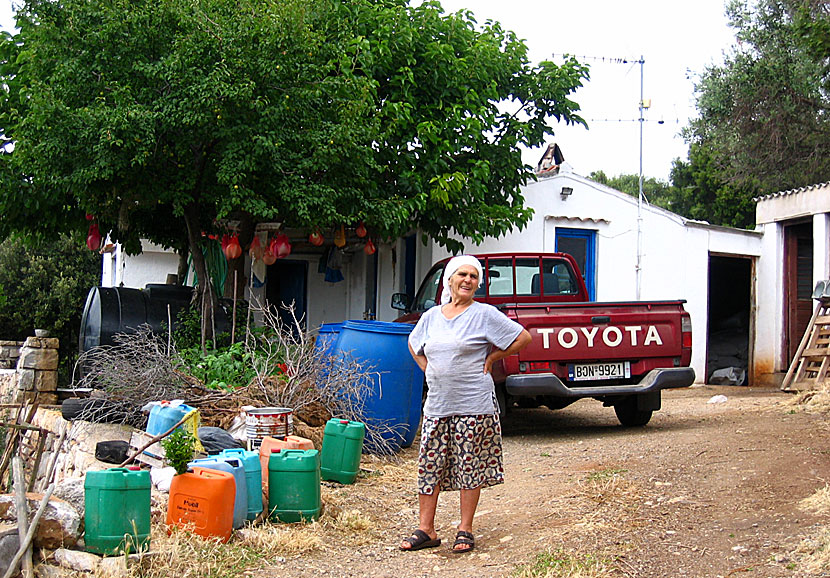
(460, 452)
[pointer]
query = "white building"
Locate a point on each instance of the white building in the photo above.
(796, 249)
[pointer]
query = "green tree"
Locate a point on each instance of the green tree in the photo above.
(655, 191)
(763, 124)
(45, 287)
(166, 119)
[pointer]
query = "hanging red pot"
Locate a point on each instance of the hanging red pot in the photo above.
(93, 237)
(369, 248)
(270, 255)
(360, 230)
(255, 250)
(316, 238)
(233, 250)
(282, 246)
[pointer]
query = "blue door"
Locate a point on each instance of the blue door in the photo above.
(581, 244)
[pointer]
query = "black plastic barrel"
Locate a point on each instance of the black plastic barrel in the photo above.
(113, 310)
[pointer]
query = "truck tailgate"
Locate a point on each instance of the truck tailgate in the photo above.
(646, 334)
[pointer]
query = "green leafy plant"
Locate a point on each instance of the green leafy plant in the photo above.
(178, 449)
(224, 368)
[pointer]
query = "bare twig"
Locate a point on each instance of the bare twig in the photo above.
(24, 545)
(152, 441)
(22, 513)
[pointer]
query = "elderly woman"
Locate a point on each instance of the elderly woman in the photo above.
(456, 345)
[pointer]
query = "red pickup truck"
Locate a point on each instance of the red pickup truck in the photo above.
(620, 353)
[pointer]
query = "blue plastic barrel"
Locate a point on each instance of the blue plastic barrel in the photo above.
(396, 381)
(232, 466)
(327, 337)
(253, 477)
(164, 416)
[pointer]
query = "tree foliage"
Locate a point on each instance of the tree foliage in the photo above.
(763, 123)
(45, 287)
(151, 115)
(655, 191)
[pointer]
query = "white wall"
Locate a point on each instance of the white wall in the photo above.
(151, 266)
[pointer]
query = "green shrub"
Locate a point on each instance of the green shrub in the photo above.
(178, 449)
(45, 287)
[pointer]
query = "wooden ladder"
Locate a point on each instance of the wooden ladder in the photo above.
(811, 363)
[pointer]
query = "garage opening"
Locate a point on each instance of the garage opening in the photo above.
(730, 303)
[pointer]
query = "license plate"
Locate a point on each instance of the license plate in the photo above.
(592, 371)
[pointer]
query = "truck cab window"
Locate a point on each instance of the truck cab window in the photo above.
(527, 277)
(558, 278)
(500, 273)
(428, 292)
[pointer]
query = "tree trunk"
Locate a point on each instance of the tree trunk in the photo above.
(183, 267)
(204, 295)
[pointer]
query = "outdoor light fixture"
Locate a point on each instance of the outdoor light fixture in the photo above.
(566, 192)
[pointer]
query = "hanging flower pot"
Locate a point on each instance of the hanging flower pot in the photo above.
(93, 237)
(233, 250)
(360, 230)
(340, 237)
(316, 238)
(282, 246)
(270, 255)
(255, 250)
(369, 248)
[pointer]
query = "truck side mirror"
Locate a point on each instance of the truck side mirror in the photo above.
(401, 301)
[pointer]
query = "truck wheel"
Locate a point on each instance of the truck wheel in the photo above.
(629, 415)
(501, 401)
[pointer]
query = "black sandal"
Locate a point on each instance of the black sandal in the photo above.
(420, 540)
(466, 539)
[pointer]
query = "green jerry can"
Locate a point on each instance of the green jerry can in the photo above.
(294, 485)
(117, 511)
(342, 446)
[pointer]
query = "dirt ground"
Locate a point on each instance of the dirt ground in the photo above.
(705, 489)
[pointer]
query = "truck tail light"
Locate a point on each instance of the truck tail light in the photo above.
(686, 331)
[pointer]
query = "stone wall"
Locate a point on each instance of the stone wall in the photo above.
(9, 353)
(37, 370)
(78, 452)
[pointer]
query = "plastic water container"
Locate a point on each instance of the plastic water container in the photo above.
(234, 467)
(342, 446)
(117, 511)
(253, 477)
(202, 501)
(164, 416)
(269, 444)
(327, 336)
(396, 380)
(294, 485)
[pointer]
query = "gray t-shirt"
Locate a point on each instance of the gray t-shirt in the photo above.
(455, 350)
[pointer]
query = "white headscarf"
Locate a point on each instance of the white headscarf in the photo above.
(452, 266)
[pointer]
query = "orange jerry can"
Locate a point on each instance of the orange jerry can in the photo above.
(269, 444)
(202, 501)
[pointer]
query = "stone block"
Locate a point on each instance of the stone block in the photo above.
(59, 526)
(46, 380)
(38, 358)
(75, 560)
(9, 545)
(26, 379)
(42, 342)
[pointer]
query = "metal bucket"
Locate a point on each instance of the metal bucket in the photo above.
(276, 422)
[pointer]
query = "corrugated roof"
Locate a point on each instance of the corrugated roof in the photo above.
(792, 191)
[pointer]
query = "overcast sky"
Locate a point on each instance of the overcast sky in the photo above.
(677, 39)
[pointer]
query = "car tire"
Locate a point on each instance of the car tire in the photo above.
(94, 410)
(629, 415)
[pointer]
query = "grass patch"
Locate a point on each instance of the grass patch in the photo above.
(813, 554)
(604, 475)
(818, 503)
(561, 564)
